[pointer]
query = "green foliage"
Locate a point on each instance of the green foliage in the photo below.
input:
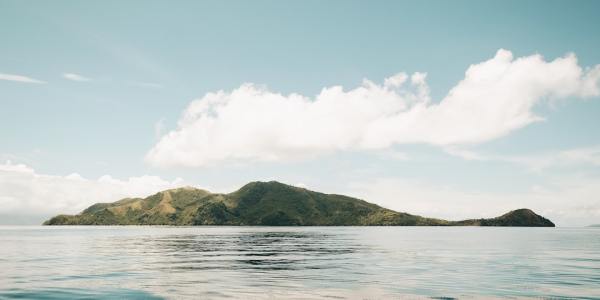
(279, 218)
(213, 213)
(266, 203)
(520, 217)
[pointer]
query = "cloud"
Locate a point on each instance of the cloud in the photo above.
(567, 201)
(75, 77)
(251, 123)
(301, 185)
(159, 128)
(583, 156)
(23, 191)
(151, 85)
(19, 78)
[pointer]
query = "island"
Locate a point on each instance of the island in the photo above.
(267, 204)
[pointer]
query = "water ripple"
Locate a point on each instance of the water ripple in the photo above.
(298, 262)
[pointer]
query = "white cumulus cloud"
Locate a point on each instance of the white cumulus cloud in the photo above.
(23, 191)
(75, 77)
(252, 123)
(19, 78)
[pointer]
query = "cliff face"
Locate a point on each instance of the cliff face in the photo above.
(265, 203)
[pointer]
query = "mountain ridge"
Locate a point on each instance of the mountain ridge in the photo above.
(267, 203)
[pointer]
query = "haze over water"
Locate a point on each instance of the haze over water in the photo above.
(298, 262)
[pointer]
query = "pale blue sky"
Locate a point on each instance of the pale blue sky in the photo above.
(147, 60)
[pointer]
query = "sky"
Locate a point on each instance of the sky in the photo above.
(447, 109)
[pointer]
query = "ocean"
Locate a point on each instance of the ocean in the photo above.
(221, 262)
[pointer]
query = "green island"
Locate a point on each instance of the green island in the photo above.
(269, 204)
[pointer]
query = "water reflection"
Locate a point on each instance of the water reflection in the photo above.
(60, 294)
(297, 262)
(252, 250)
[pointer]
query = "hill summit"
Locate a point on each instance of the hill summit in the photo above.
(266, 203)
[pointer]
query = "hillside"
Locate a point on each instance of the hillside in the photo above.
(519, 217)
(265, 203)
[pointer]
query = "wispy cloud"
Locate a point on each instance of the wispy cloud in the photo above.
(159, 128)
(75, 77)
(589, 156)
(151, 85)
(566, 200)
(19, 78)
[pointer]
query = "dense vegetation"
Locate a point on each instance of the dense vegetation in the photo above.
(265, 203)
(519, 217)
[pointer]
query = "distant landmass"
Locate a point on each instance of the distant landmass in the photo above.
(594, 225)
(267, 203)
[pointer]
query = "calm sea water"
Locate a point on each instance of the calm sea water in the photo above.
(298, 262)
